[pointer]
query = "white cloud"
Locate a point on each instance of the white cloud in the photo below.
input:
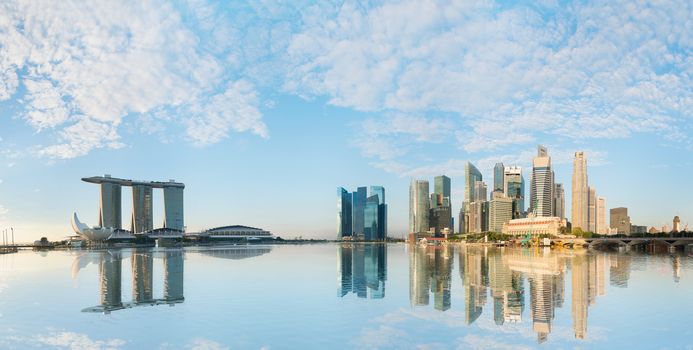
(513, 74)
(88, 66)
(71, 340)
(206, 344)
(3, 210)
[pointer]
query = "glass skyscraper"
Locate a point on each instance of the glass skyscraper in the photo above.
(418, 206)
(344, 218)
(514, 188)
(541, 192)
(361, 216)
(358, 207)
(498, 177)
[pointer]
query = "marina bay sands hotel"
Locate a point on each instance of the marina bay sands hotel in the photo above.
(110, 211)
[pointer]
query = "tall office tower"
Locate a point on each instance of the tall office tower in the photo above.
(514, 187)
(382, 211)
(358, 207)
(110, 213)
(442, 186)
(592, 209)
(602, 227)
(559, 201)
(370, 225)
(418, 206)
(344, 218)
(471, 176)
(500, 211)
(173, 206)
(620, 220)
(541, 194)
(580, 200)
(498, 177)
(460, 220)
(480, 191)
(142, 208)
(676, 224)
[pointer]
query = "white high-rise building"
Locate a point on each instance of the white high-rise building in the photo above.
(602, 226)
(592, 210)
(541, 196)
(500, 212)
(580, 199)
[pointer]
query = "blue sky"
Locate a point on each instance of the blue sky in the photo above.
(264, 108)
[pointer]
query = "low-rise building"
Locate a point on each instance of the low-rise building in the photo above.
(534, 225)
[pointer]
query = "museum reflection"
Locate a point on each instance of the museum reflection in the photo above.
(514, 285)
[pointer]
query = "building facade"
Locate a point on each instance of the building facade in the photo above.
(559, 201)
(580, 191)
(534, 226)
(620, 220)
(500, 212)
(358, 207)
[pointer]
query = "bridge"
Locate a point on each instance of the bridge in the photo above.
(623, 241)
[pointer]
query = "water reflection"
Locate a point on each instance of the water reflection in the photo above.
(430, 268)
(142, 263)
(363, 270)
(496, 279)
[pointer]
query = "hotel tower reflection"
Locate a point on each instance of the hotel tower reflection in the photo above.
(497, 279)
(142, 263)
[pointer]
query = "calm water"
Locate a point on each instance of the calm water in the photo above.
(345, 296)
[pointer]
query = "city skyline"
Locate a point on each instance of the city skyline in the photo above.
(227, 103)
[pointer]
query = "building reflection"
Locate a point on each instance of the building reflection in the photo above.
(430, 270)
(363, 270)
(142, 264)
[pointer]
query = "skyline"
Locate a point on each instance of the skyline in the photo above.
(263, 109)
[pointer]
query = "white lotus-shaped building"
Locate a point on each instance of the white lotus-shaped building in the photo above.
(90, 233)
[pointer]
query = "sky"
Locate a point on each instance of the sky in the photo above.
(264, 108)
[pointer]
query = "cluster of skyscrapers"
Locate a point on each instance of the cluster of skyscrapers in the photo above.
(431, 213)
(482, 211)
(360, 215)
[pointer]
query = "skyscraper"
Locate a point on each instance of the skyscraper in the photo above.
(344, 218)
(602, 227)
(620, 220)
(580, 199)
(442, 186)
(559, 201)
(471, 176)
(382, 211)
(541, 196)
(371, 214)
(498, 177)
(514, 187)
(480, 191)
(371, 224)
(500, 212)
(441, 207)
(592, 209)
(358, 207)
(418, 206)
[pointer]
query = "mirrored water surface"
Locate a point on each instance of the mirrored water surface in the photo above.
(345, 296)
